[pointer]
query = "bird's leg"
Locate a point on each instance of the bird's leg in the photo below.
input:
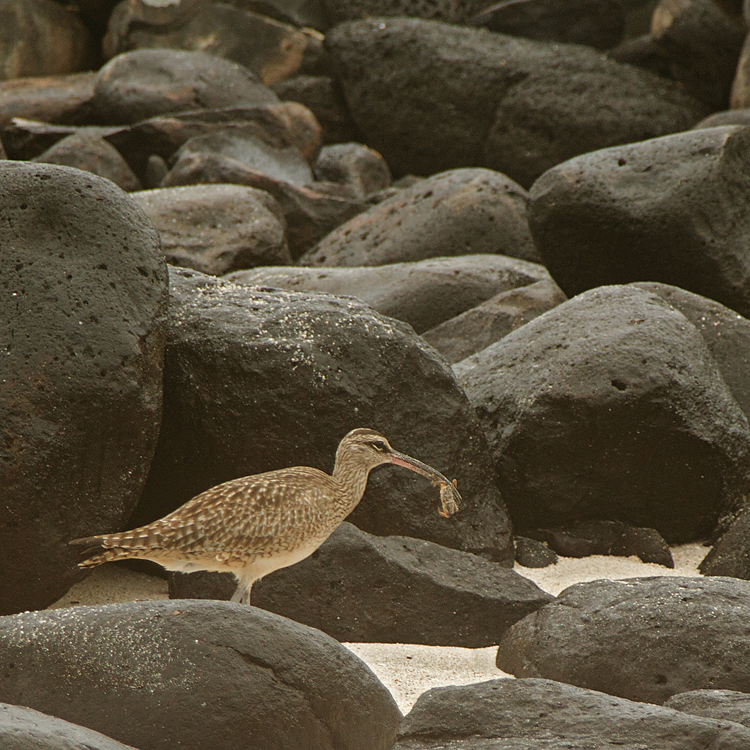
(242, 594)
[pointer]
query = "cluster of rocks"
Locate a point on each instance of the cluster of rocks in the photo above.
(510, 236)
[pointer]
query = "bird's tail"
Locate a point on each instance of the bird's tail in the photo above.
(108, 547)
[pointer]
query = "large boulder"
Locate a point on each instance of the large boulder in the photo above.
(611, 407)
(431, 96)
(671, 209)
(23, 728)
(643, 639)
(146, 82)
(217, 228)
(358, 587)
(423, 294)
(535, 714)
(193, 675)
(84, 316)
(459, 212)
(259, 379)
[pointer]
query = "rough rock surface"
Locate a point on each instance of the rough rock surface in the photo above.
(285, 163)
(310, 213)
(459, 212)
(259, 380)
(590, 22)
(41, 38)
(671, 209)
(484, 324)
(92, 154)
(644, 638)
(422, 294)
(147, 82)
(535, 714)
(726, 705)
(359, 168)
(25, 729)
(730, 555)
(430, 97)
(48, 98)
(217, 228)
(270, 49)
(83, 313)
(357, 587)
(726, 333)
(611, 407)
(194, 675)
(584, 538)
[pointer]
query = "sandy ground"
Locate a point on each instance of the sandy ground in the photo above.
(407, 670)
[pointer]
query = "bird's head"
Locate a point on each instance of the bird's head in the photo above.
(368, 449)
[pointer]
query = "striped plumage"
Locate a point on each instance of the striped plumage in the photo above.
(254, 525)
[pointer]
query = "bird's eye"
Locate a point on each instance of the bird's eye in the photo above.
(379, 445)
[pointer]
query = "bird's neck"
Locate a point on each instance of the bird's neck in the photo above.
(350, 477)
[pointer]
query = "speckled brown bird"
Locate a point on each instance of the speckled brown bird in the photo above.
(254, 525)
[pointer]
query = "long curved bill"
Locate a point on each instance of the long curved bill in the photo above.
(450, 499)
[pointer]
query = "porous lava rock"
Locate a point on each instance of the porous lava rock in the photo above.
(423, 294)
(23, 728)
(83, 307)
(644, 639)
(670, 209)
(216, 229)
(459, 212)
(536, 714)
(611, 407)
(432, 96)
(194, 674)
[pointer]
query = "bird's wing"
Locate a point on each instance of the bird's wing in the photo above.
(254, 516)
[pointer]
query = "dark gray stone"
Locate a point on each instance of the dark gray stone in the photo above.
(25, 729)
(286, 163)
(357, 587)
(643, 638)
(533, 554)
(699, 46)
(323, 96)
(725, 705)
(431, 97)
(611, 407)
(193, 675)
(217, 228)
(422, 294)
(147, 82)
(259, 380)
(83, 313)
(726, 333)
(42, 38)
(584, 538)
(482, 325)
(57, 98)
(672, 209)
(271, 49)
(730, 555)
(535, 714)
(355, 166)
(595, 23)
(92, 154)
(452, 11)
(460, 212)
(310, 212)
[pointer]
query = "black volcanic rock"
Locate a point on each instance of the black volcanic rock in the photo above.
(83, 311)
